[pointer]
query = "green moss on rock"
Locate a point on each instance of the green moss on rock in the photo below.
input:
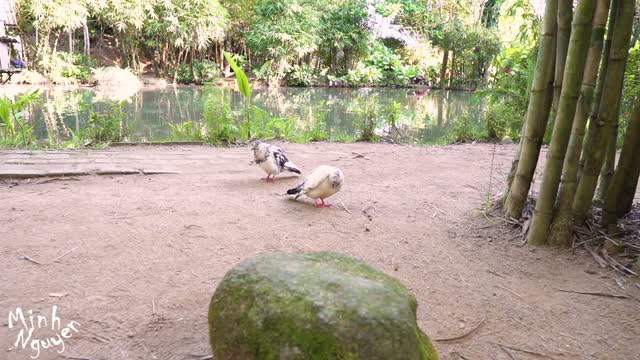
(319, 305)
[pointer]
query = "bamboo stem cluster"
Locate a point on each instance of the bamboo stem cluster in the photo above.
(578, 92)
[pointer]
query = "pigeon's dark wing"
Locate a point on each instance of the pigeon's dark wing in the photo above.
(280, 158)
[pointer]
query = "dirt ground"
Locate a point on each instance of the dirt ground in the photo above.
(135, 259)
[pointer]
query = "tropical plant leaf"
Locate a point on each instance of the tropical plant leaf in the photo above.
(263, 68)
(241, 77)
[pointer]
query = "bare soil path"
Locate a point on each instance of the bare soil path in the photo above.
(135, 259)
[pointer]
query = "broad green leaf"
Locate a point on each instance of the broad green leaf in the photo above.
(263, 68)
(241, 77)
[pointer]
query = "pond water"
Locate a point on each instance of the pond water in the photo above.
(427, 115)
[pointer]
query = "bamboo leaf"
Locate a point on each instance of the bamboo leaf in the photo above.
(241, 77)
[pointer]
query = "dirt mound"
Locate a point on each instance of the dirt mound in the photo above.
(112, 76)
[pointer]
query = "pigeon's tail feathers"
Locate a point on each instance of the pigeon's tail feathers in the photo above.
(292, 167)
(297, 191)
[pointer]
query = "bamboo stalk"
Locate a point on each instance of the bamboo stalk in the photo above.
(595, 150)
(576, 61)
(560, 233)
(537, 114)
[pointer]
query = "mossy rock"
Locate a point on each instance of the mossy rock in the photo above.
(319, 305)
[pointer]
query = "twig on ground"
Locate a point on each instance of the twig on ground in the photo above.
(65, 254)
(458, 356)
(77, 357)
(282, 240)
(596, 257)
(508, 221)
(523, 351)
(616, 265)
(459, 337)
(153, 307)
(594, 293)
(494, 273)
(597, 237)
(101, 338)
(506, 351)
(344, 207)
(484, 227)
(437, 208)
(511, 291)
(29, 258)
(200, 356)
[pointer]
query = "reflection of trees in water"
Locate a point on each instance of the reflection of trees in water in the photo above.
(57, 113)
(150, 111)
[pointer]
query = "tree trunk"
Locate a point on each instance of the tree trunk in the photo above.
(70, 40)
(453, 68)
(565, 16)
(562, 225)
(625, 179)
(595, 149)
(576, 60)
(85, 35)
(443, 70)
(440, 116)
(487, 73)
(537, 113)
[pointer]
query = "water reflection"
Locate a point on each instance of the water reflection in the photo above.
(427, 115)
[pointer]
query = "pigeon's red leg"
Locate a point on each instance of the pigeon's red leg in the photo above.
(325, 205)
(317, 206)
(273, 179)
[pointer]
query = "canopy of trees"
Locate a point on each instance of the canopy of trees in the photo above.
(301, 39)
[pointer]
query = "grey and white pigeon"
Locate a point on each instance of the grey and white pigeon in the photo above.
(272, 160)
(323, 182)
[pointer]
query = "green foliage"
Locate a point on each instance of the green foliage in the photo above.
(198, 72)
(368, 120)
(315, 131)
(14, 130)
(529, 31)
(389, 64)
(260, 73)
(241, 77)
(183, 25)
(300, 75)
(344, 34)
(363, 75)
(466, 129)
(66, 65)
(391, 114)
(105, 126)
(186, 131)
(508, 93)
(296, 37)
(284, 31)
